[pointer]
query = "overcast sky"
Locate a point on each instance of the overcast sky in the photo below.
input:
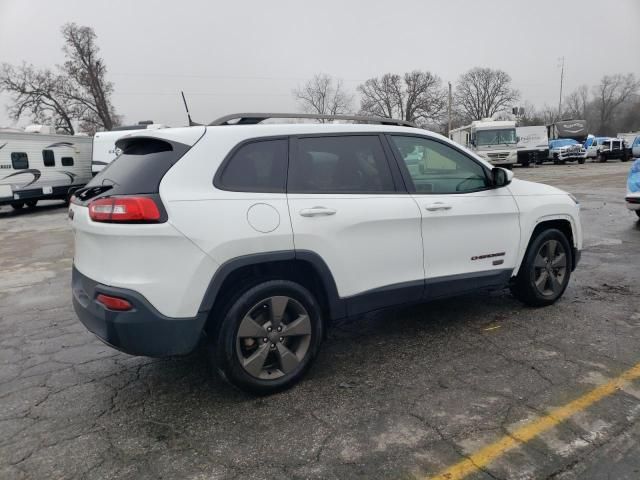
(248, 55)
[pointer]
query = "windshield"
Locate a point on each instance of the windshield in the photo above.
(495, 137)
(563, 142)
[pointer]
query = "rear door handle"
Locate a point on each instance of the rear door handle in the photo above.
(434, 207)
(317, 212)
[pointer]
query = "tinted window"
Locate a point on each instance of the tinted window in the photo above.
(67, 161)
(257, 167)
(138, 169)
(19, 160)
(349, 164)
(48, 158)
(438, 168)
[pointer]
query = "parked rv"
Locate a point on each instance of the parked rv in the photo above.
(533, 144)
(37, 164)
(494, 141)
(104, 143)
(574, 129)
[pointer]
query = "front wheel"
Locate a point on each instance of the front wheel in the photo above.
(638, 213)
(268, 337)
(582, 160)
(545, 271)
(17, 205)
(31, 203)
(602, 158)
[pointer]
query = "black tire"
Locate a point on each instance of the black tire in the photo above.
(17, 205)
(525, 288)
(227, 350)
(582, 160)
(601, 158)
(31, 203)
(638, 213)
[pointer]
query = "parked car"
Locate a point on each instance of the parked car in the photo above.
(635, 147)
(256, 237)
(633, 188)
(611, 148)
(566, 150)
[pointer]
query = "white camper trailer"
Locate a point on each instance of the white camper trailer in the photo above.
(36, 164)
(494, 141)
(104, 143)
(533, 144)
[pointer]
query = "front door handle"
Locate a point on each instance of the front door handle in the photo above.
(317, 212)
(434, 207)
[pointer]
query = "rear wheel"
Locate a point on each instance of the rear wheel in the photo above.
(268, 337)
(545, 271)
(17, 205)
(31, 203)
(601, 158)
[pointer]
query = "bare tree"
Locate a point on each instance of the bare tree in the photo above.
(41, 94)
(577, 103)
(78, 92)
(87, 71)
(482, 92)
(323, 95)
(612, 92)
(415, 96)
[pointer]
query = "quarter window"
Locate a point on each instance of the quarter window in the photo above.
(340, 164)
(19, 160)
(434, 167)
(48, 158)
(257, 167)
(67, 161)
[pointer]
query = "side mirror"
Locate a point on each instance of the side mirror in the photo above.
(501, 177)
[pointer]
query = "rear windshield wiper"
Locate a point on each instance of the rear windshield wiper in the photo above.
(87, 193)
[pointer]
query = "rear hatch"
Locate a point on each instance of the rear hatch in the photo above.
(123, 236)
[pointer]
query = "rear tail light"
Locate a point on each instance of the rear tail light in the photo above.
(114, 303)
(124, 209)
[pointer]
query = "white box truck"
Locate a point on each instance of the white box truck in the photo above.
(533, 144)
(493, 140)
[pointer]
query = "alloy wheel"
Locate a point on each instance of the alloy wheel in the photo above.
(550, 268)
(273, 338)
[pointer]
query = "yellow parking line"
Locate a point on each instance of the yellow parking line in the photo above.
(523, 434)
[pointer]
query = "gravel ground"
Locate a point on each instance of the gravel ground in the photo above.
(397, 394)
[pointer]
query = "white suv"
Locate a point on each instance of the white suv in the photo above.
(256, 236)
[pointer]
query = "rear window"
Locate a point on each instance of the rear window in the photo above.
(19, 160)
(259, 166)
(138, 169)
(67, 161)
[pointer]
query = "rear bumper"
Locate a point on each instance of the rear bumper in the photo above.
(140, 331)
(633, 203)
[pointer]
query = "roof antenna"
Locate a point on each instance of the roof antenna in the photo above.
(191, 122)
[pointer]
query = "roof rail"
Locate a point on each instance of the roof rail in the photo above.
(255, 118)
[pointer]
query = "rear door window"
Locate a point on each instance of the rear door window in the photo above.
(258, 166)
(19, 160)
(340, 164)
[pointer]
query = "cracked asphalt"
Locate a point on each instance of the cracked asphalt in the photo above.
(399, 394)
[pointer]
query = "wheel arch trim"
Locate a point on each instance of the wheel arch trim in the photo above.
(336, 305)
(542, 220)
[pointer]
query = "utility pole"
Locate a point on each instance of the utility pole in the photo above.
(449, 109)
(561, 81)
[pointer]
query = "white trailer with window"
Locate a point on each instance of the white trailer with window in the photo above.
(492, 140)
(37, 164)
